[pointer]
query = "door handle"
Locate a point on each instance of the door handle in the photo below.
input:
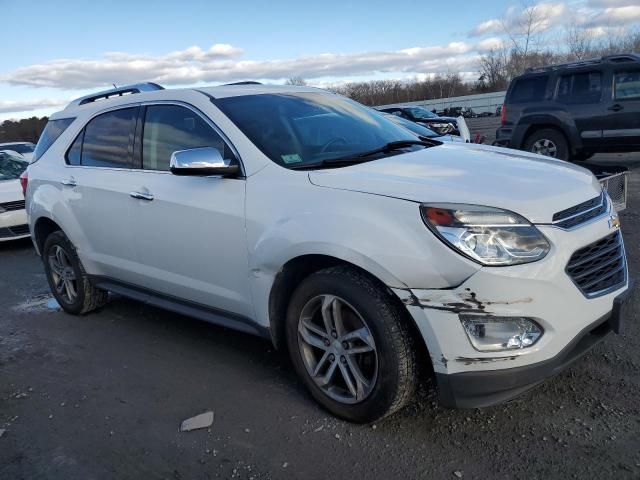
(141, 196)
(616, 108)
(69, 182)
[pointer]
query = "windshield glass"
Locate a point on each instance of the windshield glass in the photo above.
(419, 112)
(295, 129)
(11, 167)
(21, 147)
(416, 128)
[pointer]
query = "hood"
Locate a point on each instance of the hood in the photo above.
(531, 185)
(10, 191)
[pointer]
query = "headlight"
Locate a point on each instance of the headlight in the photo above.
(493, 334)
(487, 235)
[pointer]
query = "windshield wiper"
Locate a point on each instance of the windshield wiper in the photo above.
(364, 156)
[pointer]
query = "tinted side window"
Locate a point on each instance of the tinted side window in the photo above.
(49, 135)
(530, 89)
(75, 151)
(169, 128)
(108, 139)
(627, 85)
(580, 88)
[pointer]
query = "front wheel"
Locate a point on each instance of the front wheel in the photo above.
(350, 344)
(548, 142)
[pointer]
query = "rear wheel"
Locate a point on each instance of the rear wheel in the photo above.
(548, 142)
(67, 279)
(350, 345)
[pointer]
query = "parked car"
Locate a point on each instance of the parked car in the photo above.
(441, 125)
(23, 148)
(13, 219)
(306, 218)
(574, 110)
(421, 131)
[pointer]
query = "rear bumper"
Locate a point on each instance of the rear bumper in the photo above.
(489, 387)
(503, 137)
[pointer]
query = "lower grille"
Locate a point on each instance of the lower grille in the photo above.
(17, 231)
(11, 206)
(599, 267)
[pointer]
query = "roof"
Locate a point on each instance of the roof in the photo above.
(154, 91)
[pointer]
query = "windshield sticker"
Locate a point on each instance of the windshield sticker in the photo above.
(291, 158)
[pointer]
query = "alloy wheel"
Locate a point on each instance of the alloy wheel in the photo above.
(63, 275)
(337, 349)
(546, 147)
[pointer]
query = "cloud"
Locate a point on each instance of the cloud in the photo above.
(545, 16)
(219, 64)
(8, 106)
(611, 3)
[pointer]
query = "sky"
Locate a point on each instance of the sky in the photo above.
(53, 51)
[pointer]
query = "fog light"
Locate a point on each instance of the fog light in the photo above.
(493, 334)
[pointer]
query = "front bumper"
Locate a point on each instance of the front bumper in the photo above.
(13, 225)
(541, 291)
(491, 387)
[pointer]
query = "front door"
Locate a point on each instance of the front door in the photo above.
(189, 231)
(623, 109)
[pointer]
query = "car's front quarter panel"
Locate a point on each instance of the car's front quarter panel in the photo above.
(384, 236)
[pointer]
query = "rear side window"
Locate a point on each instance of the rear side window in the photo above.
(107, 141)
(50, 134)
(530, 89)
(627, 85)
(169, 128)
(580, 88)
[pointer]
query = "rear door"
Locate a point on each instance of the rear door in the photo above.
(623, 107)
(581, 95)
(190, 231)
(96, 188)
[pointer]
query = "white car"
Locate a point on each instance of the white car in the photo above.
(23, 148)
(304, 217)
(13, 219)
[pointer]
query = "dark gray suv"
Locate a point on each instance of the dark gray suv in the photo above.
(574, 110)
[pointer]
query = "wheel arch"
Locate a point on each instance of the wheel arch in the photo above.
(532, 124)
(299, 268)
(42, 228)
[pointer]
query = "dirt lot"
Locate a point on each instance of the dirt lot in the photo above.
(103, 396)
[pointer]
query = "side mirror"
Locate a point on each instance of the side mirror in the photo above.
(202, 161)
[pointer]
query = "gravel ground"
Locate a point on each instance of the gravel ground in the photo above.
(103, 396)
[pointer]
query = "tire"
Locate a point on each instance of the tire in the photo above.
(63, 266)
(391, 367)
(548, 142)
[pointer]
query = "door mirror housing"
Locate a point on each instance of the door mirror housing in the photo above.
(204, 161)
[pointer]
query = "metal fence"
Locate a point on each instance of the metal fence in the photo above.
(616, 186)
(480, 103)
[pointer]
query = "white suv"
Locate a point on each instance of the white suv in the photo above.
(304, 217)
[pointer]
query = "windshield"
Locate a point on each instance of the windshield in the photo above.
(19, 147)
(418, 129)
(295, 129)
(419, 112)
(11, 167)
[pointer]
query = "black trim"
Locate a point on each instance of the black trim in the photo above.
(183, 307)
(490, 387)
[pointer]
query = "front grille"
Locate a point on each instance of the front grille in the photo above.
(583, 212)
(16, 231)
(10, 206)
(599, 267)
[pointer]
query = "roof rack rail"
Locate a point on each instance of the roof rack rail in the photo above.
(116, 92)
(623, 57)
(248, 82)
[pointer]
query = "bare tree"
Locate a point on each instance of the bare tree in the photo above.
(579, 42)
(296, 80)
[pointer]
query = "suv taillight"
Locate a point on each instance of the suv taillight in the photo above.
(503, 114)
(24, 181)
